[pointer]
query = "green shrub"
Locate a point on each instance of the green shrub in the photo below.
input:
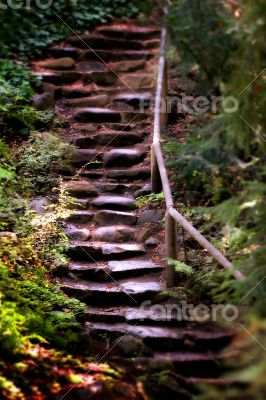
(201, 31)
(17, 116)
(30, 31)
(39, 160)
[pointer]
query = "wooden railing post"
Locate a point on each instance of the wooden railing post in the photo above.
(156, 183)
(171, 246)
(164, 105)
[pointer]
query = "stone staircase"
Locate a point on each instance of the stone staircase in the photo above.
(110, 269)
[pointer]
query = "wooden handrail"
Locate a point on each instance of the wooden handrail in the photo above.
(160, 181)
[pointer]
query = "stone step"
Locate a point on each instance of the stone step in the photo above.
(64, 63)
(137, 116)
(151, 314)
(103, 43)
(113, 187)
(129, 174)
(107, 77)
(125, 157)
(128, 66)
(130, 32)
(107, 138)
(60, 52)
(166, 338)
(107, 271)
(100, 100)
(99, 115)
(86, 156)
(138, 100)
(118, 88)
(122, 292)
(136, 81)
(87, 128)
(89, 66)
(59, 77)
(151, 44)
(86, 251)
(92, 174)
(76, 233)
(120, 127)
(117, 55)
(115, 233)
(108, 217)
(114, 202)
(80, 188)
(73, 92)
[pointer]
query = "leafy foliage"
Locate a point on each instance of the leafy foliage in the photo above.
(153, 199)
(201, 31)
(181, 267)
(28, 31)
(39, 160)
(17, 116)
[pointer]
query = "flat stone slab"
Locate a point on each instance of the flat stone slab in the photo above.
(117, 139)
(101, 42)
(114, 202)
(103, 271)
(77, 267)
(60, 52)
(130, 32)
(87, 128)
(79, 234)
(167, 338)
(76, 91)
(115, 187)
(99, 115)
(80, 187)
(58, 63)
(116, 233)
(130, 249)
(136, 100)
(120, 127)
(137, 80)
(78, 156)
(93, 101)
(131, 174)
(129, 265)
(99, 77)
(151, 44)
(136, 115)
(110, 293)
(98, 250)
(128, 66)
(125, 157)
(132, 315)
(108, 217)
(82, 141)
(60, 78)
(87, 66)
(117, 55)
